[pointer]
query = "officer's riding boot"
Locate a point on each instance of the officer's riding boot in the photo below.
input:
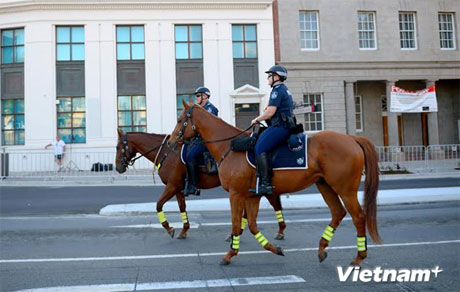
(192, 180)
(265, 181)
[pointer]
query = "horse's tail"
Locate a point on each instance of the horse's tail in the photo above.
(371, 186)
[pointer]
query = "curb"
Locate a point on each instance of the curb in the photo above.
(385, 197)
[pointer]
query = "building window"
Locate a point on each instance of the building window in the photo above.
(359, 113)
(13, 122)
(366, 30)
(70, 43)
(446, 31)
(132, 113)
(309, 36)
(71, 119)
(13, 46)
(244, 41)
(314, 120)
(188, 98)
(189, 43)
(130, 42)
(407, 31)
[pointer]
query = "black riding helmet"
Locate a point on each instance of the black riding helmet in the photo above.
(278, 70)
(203, 90)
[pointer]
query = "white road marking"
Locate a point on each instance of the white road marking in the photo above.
(165, 256)
(276, 222)
(157, 225)
(175, 285)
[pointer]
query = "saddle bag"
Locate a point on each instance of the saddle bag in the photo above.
(209, 163)
(243, 144)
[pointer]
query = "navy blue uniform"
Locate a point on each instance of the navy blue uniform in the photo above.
(278, 130)
(196, 150)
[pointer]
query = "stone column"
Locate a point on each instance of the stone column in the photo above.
(350, 107)
(433, 130)
(393, 136)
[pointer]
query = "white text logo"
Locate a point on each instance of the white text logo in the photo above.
(387, 275)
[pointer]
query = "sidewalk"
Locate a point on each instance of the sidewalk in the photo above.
(147, 180)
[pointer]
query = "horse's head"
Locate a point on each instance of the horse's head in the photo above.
(124, 152)
(185, 128)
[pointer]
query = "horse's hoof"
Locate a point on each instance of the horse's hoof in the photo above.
(354, 264)
(279, 251)
(171, 232)
(224, 262)
(182, 236)
(279, 236)
(228, 238)
(322, 256)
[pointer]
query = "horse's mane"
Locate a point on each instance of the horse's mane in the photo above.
(147, 134)
(220, 120)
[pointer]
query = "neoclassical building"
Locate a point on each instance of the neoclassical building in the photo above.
(82, 69)
(344, 56)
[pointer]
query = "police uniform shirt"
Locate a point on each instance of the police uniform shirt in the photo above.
(282, 99)
(211, 108)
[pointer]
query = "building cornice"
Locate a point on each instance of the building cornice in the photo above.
(301, 66)
(31, 5)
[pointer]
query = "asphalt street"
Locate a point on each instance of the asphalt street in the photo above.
(132, 253)
(25, 201)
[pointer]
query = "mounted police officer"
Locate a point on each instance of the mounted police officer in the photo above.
(197, 148)
(279, 117)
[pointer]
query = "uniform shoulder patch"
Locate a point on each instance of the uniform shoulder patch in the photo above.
(210, 109)
(274, 95)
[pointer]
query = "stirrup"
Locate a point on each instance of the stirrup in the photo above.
(192, 191)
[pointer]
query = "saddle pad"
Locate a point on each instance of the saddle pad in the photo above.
(183, 152)
(283, 158)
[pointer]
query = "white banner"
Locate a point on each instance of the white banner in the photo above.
(404, 101)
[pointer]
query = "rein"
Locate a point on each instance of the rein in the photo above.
(180, 134)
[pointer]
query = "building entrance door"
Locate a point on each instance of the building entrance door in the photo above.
(245, 113)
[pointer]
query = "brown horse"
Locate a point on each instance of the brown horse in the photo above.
(335, 164)
(172, 173)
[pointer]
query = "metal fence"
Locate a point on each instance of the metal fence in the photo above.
(415, 159)
(434, 158)
(43, 164)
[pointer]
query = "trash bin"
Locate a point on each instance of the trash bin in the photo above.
(4, 164)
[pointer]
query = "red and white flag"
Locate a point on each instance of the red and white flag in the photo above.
(405, 101)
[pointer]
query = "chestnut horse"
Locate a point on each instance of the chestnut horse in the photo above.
(172, 173)
(335, 164)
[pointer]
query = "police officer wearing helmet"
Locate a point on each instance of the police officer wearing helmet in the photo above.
(279, 117)
(197, 148)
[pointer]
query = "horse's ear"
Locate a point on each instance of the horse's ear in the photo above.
(186, 105)
(120, 133)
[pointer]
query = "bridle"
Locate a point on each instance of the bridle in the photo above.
(125, 162)
(180, 135)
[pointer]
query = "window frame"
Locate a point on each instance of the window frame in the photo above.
(131, 125)
(315, 113)
(317, 31)
(70, 43)
(130, 42)
(454, 40)
(360, 113)
(13, 46)
(190, 96)
(71, 112)
(374, 31)
(401, 40)
(188, 42)
(14, 115)
(244, 41)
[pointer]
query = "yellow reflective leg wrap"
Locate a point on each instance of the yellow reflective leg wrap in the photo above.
(161, 216)
(362, 243)
(279, 216)
(244, 222)
(235, 242)
(261, 239)
(184, 217)
(328, 233)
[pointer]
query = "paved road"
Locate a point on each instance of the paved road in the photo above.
(24, 201)
(90, 250)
